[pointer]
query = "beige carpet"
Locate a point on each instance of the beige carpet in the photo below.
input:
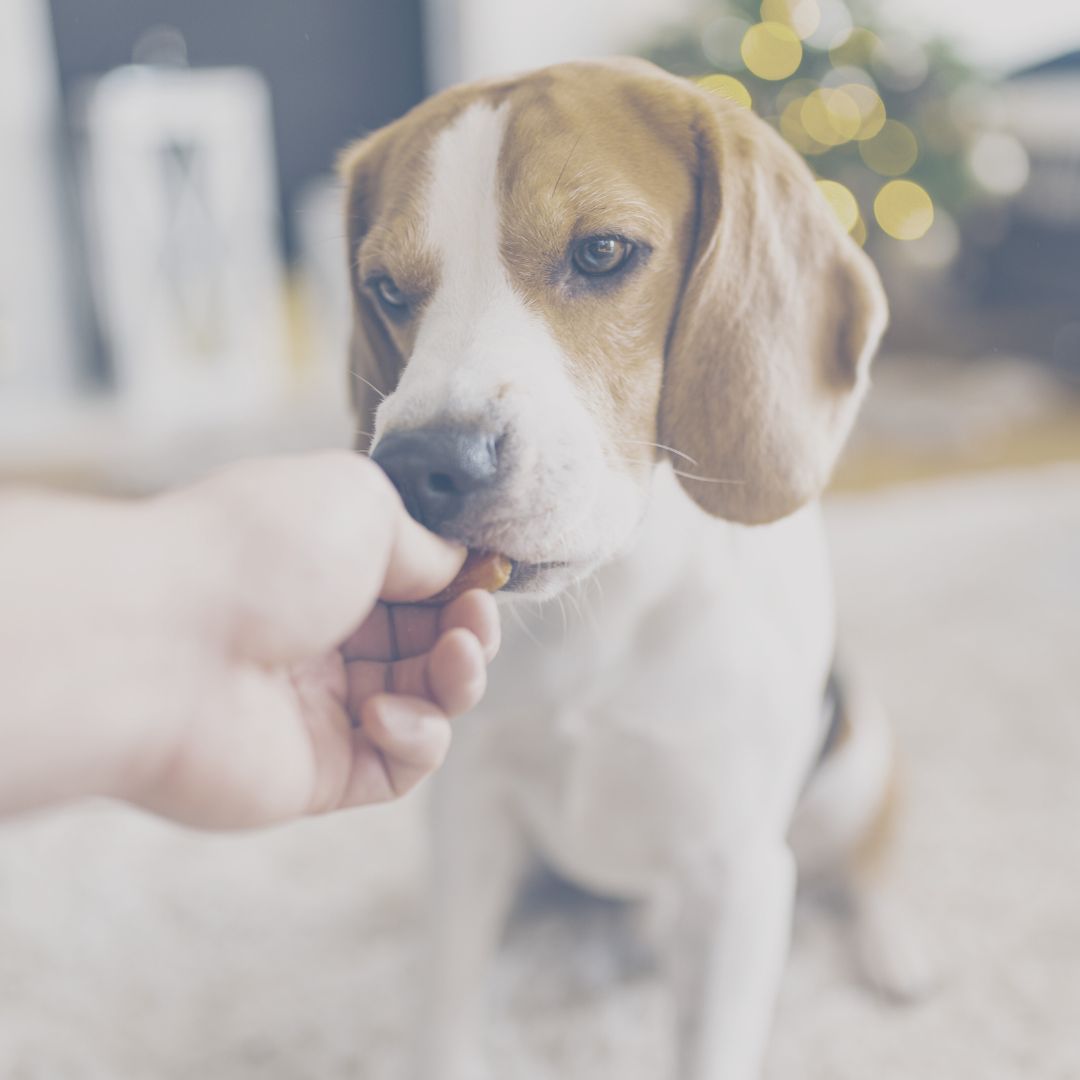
(130, 950)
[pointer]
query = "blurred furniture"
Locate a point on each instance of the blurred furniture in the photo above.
(185, 257)
(40, 354)
(335, 69)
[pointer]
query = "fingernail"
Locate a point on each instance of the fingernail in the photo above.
(401, 719)
(493, 649)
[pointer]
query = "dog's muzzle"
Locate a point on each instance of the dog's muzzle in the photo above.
(439, 471)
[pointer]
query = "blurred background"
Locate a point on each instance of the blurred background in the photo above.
(171, 282)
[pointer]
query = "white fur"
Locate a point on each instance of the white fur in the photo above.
(649, 745)
(836, 810)
(652, 743)
(482, 356)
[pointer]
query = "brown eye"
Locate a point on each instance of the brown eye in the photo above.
(601, 254)
(390, 295)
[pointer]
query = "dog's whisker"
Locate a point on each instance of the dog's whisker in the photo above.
(595, 582)
(706, 479)
(661, 446)
(632, 462)
(367, 383)
(576, 606)
(522, 626)
(584, 609)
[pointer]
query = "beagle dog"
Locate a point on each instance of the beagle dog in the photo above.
(606, 325)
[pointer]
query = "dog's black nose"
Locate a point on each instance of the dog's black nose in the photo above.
(435, 469)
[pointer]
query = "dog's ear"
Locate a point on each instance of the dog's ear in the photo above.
(780, 315)
(373, 358)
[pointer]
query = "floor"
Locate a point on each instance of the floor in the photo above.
(133, 951)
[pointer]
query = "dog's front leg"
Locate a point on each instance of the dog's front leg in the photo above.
(478, 854)
(727, 959)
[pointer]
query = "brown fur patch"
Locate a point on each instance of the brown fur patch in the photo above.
(872, 852)
(742, 334)
(586, 154)
(385, 177)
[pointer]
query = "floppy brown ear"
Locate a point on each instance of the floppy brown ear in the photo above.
(780, 315)
(373, 359)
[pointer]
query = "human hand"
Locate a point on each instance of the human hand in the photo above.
(226, 647)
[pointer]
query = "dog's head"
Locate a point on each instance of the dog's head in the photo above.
(563, 278)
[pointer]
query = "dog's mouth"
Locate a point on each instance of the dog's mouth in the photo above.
(530, 576)
(534, 577)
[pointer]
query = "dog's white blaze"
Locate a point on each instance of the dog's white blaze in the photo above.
(476, 334)
(483, 356)
(463, 225)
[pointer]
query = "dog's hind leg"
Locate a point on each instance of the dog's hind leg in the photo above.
(844, 829)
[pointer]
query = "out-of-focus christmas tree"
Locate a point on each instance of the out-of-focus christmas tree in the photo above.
(878, 114)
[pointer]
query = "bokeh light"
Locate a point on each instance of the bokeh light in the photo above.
(791, 90)
(854, 49)
(803, 16)
(721, 40)
(871, 109)
(831, 117)
(834, 24)
(900, 62)
(841, 201)
(791, 127)
(836, 77)
(938, 247)
(999, 162)
(853, 93)
(772, 51)
(727, 86)
(904, 210)
(892, 151)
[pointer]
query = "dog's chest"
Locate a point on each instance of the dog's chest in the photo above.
(648, 720)
(593, 765)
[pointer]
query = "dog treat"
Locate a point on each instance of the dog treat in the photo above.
(481, 570)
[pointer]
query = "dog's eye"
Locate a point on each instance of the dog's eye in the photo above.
(601, 254)
(389, 294)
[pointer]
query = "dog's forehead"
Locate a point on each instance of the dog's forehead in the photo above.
(593, 152)
(566, 139)
(599, 120)
(475, 201)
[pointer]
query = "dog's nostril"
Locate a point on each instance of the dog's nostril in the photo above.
(437, 470)
(442, 483)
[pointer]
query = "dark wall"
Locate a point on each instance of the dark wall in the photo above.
(336, 68)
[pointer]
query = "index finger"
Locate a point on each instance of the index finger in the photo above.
(295, 551)
(416, 629)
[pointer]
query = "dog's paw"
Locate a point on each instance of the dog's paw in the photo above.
(895, 959)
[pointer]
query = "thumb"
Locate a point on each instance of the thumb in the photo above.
(305, 546)
(420, 563)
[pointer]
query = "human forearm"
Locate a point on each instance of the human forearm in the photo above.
(87, 628)
(184, 652)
